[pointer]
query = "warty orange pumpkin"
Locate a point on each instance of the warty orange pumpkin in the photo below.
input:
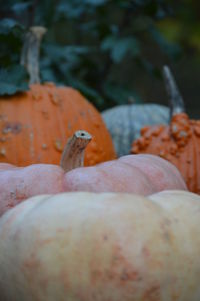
(35, 125)
(179, 142)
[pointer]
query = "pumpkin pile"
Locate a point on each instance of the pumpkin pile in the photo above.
(125, 229)
(179, 142)
(35, 125)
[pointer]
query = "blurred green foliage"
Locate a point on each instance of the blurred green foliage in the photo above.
(93, 45)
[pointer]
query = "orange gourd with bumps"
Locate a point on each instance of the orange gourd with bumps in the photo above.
(35, 125)
(179, 142)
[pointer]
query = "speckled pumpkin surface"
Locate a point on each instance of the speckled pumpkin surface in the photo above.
(125, 122)
(35, 125)
(179, 143)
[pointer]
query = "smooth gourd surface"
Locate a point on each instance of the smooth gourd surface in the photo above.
(87, 246)
(124, 122)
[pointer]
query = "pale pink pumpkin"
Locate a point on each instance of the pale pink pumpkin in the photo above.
(141, 174)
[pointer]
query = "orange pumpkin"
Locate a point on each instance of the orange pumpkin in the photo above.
(35, 125)
(179, 142)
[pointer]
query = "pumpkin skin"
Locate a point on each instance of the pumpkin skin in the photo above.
(179, 142)
(35, 126)
(86, 246)
(125, 121)
(142, 174)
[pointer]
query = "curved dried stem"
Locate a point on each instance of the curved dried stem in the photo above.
(176, 101)
(73, 154)
(31, 51)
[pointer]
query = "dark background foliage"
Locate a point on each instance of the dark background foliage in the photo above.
(112, 51)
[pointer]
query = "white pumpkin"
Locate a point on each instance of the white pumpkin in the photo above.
(83, 246)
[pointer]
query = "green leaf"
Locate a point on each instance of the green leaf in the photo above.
(120, 94)
(123, 46)
(70, 10)
(8, 25)
(90, 93)
(96, 2)
(13, 80)
(19, 8)
(108, 43)
(170, 48)
(48, 75)
(120, 47)
(59, 53)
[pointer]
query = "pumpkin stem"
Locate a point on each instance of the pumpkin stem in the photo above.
(31, 51)
(73, 153)
(176, 101)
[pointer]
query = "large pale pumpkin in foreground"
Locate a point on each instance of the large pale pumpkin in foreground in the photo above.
(142, 174)
(101, 247)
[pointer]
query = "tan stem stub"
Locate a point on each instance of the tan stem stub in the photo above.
(31, 51)
(175, 98)
(73, 153)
